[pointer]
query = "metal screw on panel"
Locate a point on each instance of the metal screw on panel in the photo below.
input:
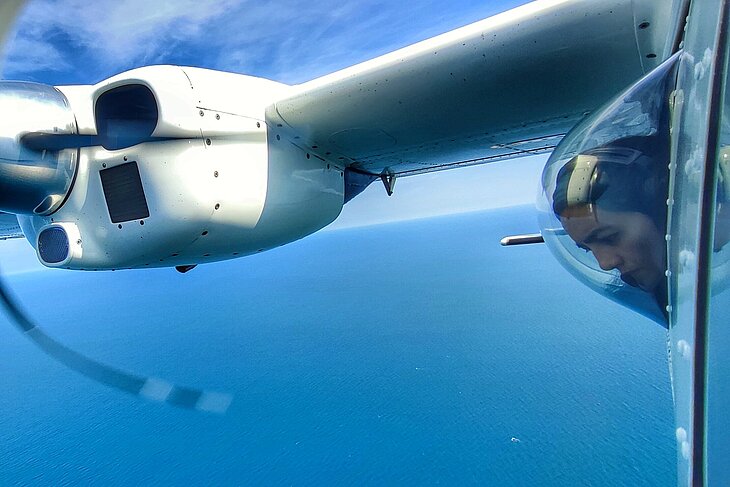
(207, 141)
(125, 158)
(215, 174)
(201, 113)
(217, 116)
(217, 205)
(278, 137)
(258, 125)
(103, 165)
(644, 25)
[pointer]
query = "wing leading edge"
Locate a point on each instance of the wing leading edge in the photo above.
(507, 86)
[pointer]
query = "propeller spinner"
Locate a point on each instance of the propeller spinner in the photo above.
(34, 180)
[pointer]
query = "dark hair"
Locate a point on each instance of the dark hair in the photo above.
(630, 175)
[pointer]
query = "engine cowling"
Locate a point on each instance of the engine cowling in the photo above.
(177, 166)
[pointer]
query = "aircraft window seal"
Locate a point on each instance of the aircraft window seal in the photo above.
(705, 249)
(681, 26)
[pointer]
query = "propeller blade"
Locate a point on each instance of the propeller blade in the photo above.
(39, 141)
(151, 388)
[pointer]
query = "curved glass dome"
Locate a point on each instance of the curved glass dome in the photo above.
(602, 205)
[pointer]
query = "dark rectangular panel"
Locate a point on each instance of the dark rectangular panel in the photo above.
(124, 194)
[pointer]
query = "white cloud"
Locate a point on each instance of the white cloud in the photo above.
(112, 32)
(35, 55)
(288, 40)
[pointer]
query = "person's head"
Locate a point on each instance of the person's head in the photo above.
(611, 200)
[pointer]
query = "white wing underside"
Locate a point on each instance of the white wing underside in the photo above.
(507, 86)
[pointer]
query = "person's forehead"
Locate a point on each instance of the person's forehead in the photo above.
(578, 227)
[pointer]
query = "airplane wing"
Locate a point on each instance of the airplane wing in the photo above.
(510, 85)
(9, 227)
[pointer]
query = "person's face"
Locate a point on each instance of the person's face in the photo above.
(627, 241)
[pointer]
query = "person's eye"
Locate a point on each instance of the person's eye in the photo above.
(611, 238)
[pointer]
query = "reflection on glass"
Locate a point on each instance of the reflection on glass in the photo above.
(603, 208)
(718, 333)
(722, 209)
(611, 202)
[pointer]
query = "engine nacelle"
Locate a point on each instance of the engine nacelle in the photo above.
(179, 168)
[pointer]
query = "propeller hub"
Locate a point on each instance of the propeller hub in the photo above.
(34, 181)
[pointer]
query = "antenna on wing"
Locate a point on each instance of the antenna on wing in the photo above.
(388, 179)
(150, 388)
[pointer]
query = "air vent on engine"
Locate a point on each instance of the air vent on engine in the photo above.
(124, 193)
(125, 116)
(53, 245)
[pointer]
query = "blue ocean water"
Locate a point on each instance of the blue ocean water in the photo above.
(400, 354)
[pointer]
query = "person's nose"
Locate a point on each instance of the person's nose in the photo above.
(608, 258)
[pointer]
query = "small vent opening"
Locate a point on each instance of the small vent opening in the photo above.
(53, 245)
(124, 194)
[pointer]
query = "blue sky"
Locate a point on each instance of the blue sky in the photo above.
(292, 41)
(77, 41)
